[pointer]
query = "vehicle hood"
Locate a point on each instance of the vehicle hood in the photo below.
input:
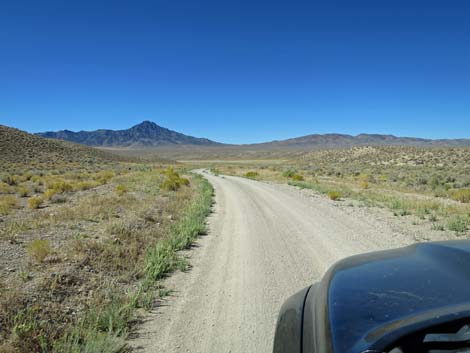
(375, 298)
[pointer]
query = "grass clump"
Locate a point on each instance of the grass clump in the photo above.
(11, 180)
(462, 195)
(38, 249)
(23, 191)
(251, 174)
(298, 177)
(173, 180)
(105, 176)
(289, 173)
(4, 188)
(86, 185)
(35, 202)
(60, 186)
(121, 189)
(458, 224)
(7, 203)
(334, 195)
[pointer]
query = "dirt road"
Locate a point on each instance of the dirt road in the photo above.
(265, 243)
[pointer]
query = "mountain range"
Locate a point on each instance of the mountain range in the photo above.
(150, 135)
(145, 134)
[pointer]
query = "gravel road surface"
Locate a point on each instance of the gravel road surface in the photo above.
(265, 243)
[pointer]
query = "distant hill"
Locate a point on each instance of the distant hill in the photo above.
(145, 134)
(325, 141)
(19, 147)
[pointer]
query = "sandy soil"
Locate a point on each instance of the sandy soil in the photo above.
(265, 243)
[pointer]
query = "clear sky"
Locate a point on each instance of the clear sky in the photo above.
(238, 71)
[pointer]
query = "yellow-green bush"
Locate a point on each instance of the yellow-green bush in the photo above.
(7, 202)
(38, 249)
(462, 195)
(251, 174)
(334, 195)
(35, 202)
(173, 181)
(121, 189)
(4, 188)
(11, 180)
(60, 186)
(86, 185)
(184, 181)
(104, 176)
(49, 193)
(298, 177)
(24, 191)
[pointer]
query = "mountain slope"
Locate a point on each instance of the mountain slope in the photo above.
(19, 147)
(145, 134)
(344, 141)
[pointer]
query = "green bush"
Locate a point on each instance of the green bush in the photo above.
(458, 224)
(289, 173)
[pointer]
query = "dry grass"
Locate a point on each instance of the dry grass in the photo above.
(89, 268)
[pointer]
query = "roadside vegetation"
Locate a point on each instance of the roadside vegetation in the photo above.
(432, 185)
(82, 247)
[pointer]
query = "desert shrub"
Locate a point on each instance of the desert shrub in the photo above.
(7, 202)
(421, 181)
(11, 180)
(251, 174)
(170, 184)
(334, 195)
(48, 194)
(38, 249)
(215, 171)
(86, 185)
(435, 182)
(104, 176)
(4, 188)
(364, 184)
(462, 195)
(26, 176)
(184, 181)
(35, 202)
(298, 177)
(289, 173)
(121, 189)
(36, 179)
(23, 191)
(58, 198)
(173, 181)
(458, 223)
(60, 186)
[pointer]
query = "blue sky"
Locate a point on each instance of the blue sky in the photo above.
(238, 71)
